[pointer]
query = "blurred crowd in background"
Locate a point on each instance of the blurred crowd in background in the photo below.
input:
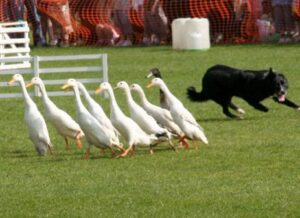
(148, 22)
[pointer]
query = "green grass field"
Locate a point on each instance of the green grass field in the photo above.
(251, 168)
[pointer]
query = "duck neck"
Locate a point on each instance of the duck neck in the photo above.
(45, 97)
(114, 107)
(142, 95)
(128, 97)
(165, 90)
(79, 103)
(27, 99)
(86, 95)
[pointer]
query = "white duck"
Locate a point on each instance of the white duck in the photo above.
(37, 128)
(155, 72)
(161, 115)
(63, 122)
(131, 131)
(182, 117)
(141, 117)
(96, 110)
(94, 132)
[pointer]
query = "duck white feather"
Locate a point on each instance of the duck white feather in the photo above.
(94, 132)
(65, 125)
(161, 115)
(97, 111)
(155, 72)
(37, 128)
(142, 118)
(128, 128)
(182, 117)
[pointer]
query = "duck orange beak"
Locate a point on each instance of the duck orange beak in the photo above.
(98, 90)
(65, 87)
(11, 82)
(29, 84)
(149, 85)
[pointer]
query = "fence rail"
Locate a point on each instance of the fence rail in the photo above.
(12, 45)
(38, 71)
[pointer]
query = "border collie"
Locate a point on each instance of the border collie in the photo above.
(220, 83)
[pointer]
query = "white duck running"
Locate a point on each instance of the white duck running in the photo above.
(155, 72)
(131, 131)
(96, 110)
(161, 115)
(142, 118)
(94, 132)
(37, 128)
(182, 117)
(63, 122)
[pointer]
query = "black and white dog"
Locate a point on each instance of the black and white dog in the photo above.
(220, 83)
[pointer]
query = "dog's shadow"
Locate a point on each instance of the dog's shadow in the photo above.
(225, 119)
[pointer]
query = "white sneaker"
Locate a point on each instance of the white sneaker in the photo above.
(146, 41)
(126, 43)
(120, 43)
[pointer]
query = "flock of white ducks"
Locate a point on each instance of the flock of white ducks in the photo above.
(63, 122)
(148, 124)
(142, 118)
(128, 128)
(95, 133)
(162, 116)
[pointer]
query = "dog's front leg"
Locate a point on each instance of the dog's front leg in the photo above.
(288, 103)
(258, 106)
(227, 112)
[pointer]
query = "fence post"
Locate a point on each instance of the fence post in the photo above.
(36, 73)
(105, 67)
(105, 71)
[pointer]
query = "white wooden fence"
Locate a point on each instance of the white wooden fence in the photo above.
(37, 70)
(14, 42)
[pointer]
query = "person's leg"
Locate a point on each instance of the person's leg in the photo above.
(127, 29)
(289, 22)
(117, 17)
(278, 18)
(147, 28)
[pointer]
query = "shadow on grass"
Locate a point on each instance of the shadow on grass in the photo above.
(32, 155)
(226, 119)
(71, 155)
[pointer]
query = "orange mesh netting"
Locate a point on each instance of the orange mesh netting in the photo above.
(231, 21)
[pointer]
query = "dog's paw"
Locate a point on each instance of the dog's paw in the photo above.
(241, 111)
(298, 109)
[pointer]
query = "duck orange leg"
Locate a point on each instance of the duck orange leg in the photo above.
(113, 153)
(78, 142)
(184, 141)
(87, 153)
(50, 150)
(120, 148)
(67, 146)
(126, 152)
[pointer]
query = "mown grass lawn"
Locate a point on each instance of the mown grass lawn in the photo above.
(251, 167)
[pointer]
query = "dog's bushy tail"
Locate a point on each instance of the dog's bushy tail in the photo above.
(193, 95)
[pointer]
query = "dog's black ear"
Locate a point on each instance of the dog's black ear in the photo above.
(271, 74)
(270, 70)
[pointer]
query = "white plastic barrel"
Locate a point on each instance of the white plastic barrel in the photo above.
(197, 34)
(178, 26)
(191, 33)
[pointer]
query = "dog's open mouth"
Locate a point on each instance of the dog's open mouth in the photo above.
(281, 98)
